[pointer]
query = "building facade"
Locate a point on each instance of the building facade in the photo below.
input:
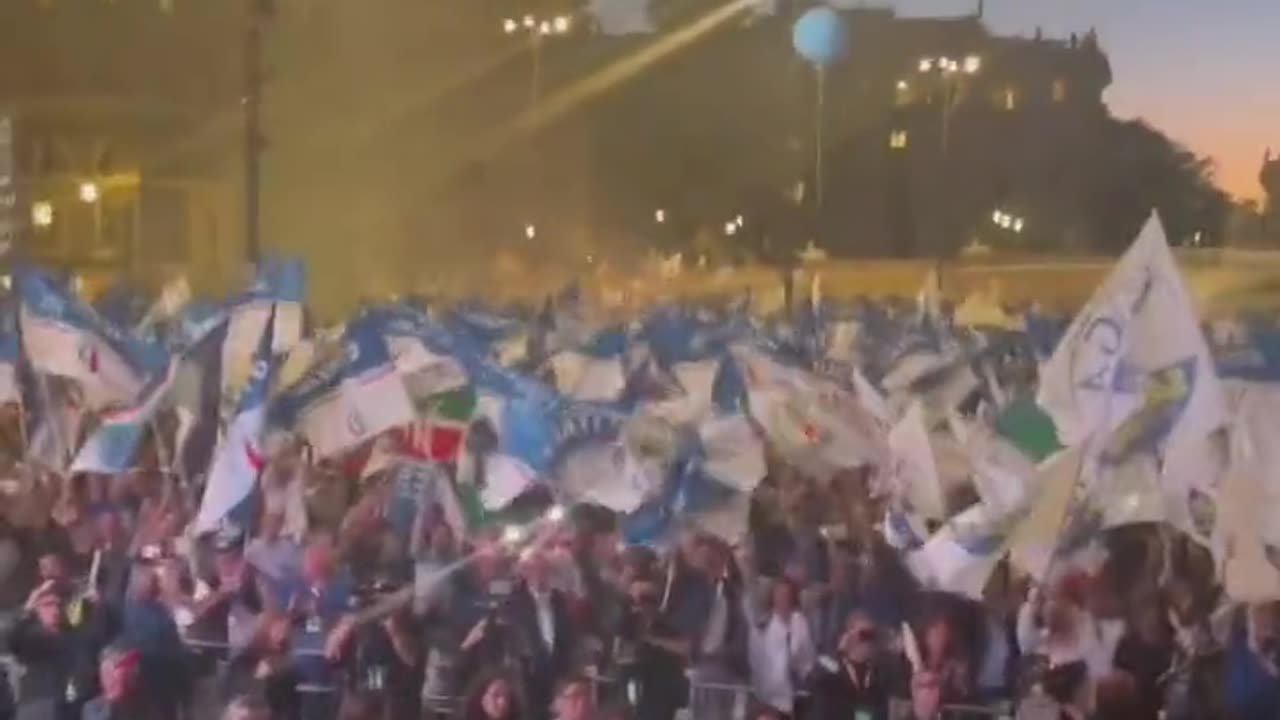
(104, 100)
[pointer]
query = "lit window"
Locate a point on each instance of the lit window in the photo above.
(898, 139)
(1009, 98)
(1059, 90)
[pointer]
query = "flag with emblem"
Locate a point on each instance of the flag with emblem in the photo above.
(440, 432)
(350, 397)
(63, 336)
(239, 458)
(114, 444)
(812, 422)
(1134, 371)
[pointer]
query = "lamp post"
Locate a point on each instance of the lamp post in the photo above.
(259, 12)
(952, 74)
(537, 29)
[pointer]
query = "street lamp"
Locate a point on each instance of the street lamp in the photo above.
(659, 216)
(530, 231)
(42, 213)
(537, 28)
(89, 192)
(951, 72)
(731, 228)
(1008, 221)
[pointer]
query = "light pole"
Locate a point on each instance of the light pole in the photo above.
(259, 12)
(951, 74)
(537, 29)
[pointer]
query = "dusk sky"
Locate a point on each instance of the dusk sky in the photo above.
(1207, 72)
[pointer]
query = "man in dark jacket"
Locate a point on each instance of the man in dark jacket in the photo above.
(57, 659)
(855, 684)
(539, 615)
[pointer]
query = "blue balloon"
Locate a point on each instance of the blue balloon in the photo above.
(821, 36)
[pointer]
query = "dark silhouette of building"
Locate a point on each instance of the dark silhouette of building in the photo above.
(103, 98)
(407, 139)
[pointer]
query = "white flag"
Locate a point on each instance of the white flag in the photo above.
(1135, 357)
(915, 471)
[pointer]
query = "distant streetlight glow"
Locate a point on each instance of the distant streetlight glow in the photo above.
(972, 64)
(509, 26)
(926, 64)
(738, 221)
(731, 228)
(529, 21)
(544, 27)
(530, 231)
(659, 216)
(89, 192)
(1008, 221)
(561, 24)
(42, 214)
(903, 86)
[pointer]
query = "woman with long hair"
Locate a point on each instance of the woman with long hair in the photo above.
(494, 695)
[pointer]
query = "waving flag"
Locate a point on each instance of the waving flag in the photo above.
(1135, 347)
(276, 298)
(62, 336)
(915, 472)
(812, 422)
(113, 446)
(340, 404)
(239, 459)
(511, 439)
(1135, 370)
(961, 555)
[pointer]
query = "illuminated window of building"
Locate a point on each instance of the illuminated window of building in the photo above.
(1009, 98)
(1060, 90)
(898, 139)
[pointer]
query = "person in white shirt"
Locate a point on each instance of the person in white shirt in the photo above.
(1062, 630)
(781, 652)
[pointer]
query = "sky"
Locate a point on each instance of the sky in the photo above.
(1206, 72)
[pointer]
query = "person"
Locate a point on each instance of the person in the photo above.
(857, 681)
(262, 668)
(317, 603)
(1146, 654)
(652, 656)
(149, 627)
(1253, 663)
(123, 696)
(720, 656)
(573, 699)
(381, 659)
(539, 615)
(1056, 625)
(781, 652)
(57, 659)
(274, 554)
(492, 696)
(945, 657)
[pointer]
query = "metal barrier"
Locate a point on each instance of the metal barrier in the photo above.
(717, 701)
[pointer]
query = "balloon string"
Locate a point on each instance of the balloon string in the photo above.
(818, 127)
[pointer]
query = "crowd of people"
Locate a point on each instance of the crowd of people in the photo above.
(318, 610)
